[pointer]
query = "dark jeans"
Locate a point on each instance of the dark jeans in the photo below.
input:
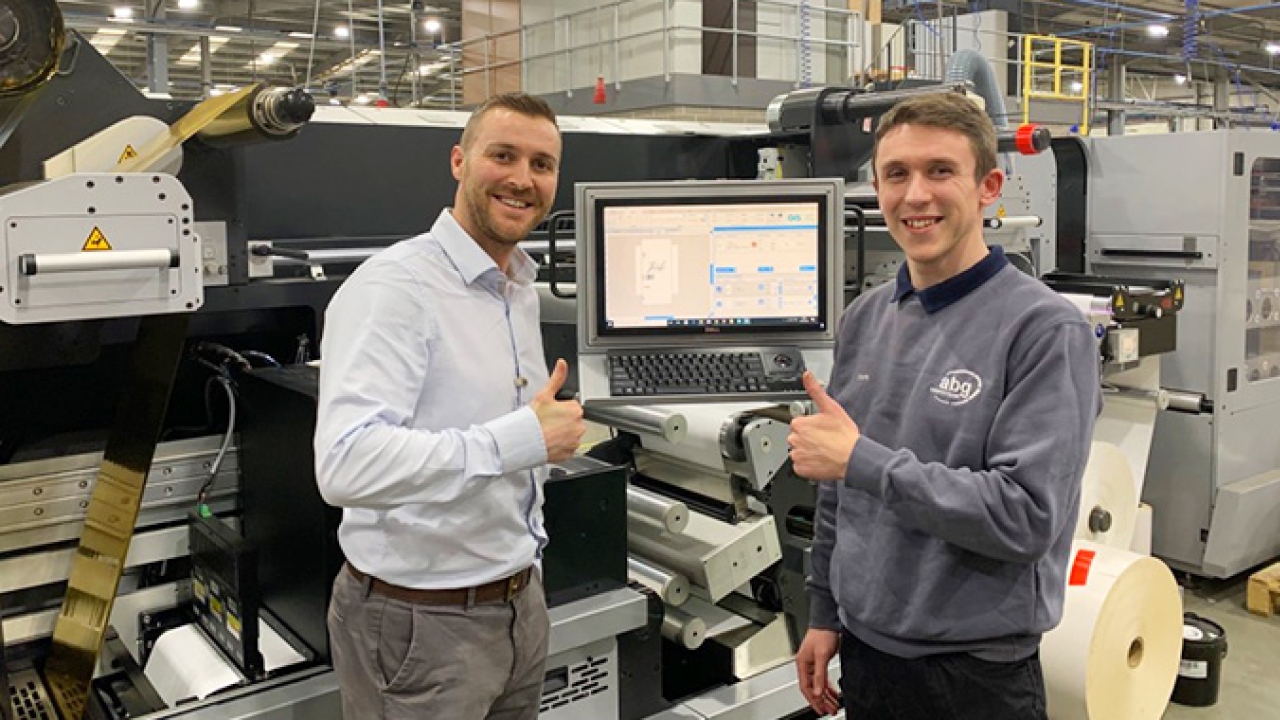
(958, 686)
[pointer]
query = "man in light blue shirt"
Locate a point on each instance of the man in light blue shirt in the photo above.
(436, 420)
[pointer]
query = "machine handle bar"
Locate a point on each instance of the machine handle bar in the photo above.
(31, 264)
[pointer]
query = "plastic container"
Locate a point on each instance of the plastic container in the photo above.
(1204, 646)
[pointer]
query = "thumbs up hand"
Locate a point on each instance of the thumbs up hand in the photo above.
(821, 444)
(561, 420)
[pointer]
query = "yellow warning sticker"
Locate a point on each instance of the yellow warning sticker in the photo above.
(1001, 212)
(128, 154)
(96, 241)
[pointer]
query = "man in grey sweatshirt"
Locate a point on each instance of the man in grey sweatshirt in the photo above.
(949, 451)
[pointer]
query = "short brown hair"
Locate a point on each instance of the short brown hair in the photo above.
(517, 102)
(948, 111)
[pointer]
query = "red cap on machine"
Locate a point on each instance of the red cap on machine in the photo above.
(1025, 138)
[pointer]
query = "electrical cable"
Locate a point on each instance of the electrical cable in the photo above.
(259, 355)
(201, 498)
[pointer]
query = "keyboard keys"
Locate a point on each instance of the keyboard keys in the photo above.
(705, 373)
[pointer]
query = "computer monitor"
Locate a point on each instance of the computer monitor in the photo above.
(707, 265)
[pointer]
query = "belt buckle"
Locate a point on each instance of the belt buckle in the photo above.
(513, 587)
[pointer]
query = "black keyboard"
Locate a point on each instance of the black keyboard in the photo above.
(771, 370)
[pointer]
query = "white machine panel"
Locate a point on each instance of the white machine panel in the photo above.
(98, 245)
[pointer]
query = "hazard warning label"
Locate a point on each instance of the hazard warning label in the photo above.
(96, 241)
(128, 154)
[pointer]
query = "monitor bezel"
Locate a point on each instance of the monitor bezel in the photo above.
(593, 198)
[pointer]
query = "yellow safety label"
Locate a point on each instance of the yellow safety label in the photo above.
(1001, 212)
(96, 241)
(128, 154)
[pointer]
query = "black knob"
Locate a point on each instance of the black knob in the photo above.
(296, 106)
(1099, 520)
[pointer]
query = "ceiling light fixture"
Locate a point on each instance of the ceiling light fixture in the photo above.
(341, 31)
(123, 12)
(1272, 48)
(1158, 31)
(432, 25)
(228, 28)
(1180, 79)
(188, 4)
(1077, 86)
(301, 35)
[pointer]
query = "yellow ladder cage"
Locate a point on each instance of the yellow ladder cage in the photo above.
(1056, 80)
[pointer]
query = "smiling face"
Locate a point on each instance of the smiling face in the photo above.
(932, 199)
(507, 170)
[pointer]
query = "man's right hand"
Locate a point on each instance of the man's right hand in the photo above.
(561, 420)
(815, 654)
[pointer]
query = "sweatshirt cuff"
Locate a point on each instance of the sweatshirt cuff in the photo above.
(867, 465)
(519, 439)
(824, 613)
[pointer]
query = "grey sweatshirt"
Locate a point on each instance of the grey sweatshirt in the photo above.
(976, 399)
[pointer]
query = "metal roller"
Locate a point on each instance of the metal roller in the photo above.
(263, 114)
(1160, 397)
(1189, 402)
(682, 628)
(650, 508)
(670, 426)
(1013, 221)
(671, 587)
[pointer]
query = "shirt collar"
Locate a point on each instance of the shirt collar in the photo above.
(937, 297)
(471, 260)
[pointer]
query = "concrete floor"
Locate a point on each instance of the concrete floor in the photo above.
(1248, 689)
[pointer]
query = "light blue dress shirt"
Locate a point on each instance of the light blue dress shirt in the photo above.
(429, 357)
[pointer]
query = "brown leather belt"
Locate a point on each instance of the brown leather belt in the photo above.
(504, 590)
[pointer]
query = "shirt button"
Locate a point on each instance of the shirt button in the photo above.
(522, 382)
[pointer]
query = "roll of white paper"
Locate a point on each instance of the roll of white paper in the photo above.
(1115, 654)
(671, 587)
(1108, 498)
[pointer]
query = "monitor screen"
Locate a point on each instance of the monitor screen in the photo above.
(715, 259)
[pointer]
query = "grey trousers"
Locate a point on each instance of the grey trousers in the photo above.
(399, 661)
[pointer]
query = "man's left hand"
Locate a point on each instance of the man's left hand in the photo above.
(821, 444)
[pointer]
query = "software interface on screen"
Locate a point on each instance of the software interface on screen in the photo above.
(698, 266)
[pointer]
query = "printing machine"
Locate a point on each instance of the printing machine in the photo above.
(154, 209)
(718, 524)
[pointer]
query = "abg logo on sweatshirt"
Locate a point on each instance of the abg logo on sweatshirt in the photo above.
(957, 387)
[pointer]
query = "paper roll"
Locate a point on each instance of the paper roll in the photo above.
(1115, 654)
(183, 664)
(1108, 498)
(671, 587)
(650, 508)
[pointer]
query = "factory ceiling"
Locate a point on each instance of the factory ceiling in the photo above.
(335, 44)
